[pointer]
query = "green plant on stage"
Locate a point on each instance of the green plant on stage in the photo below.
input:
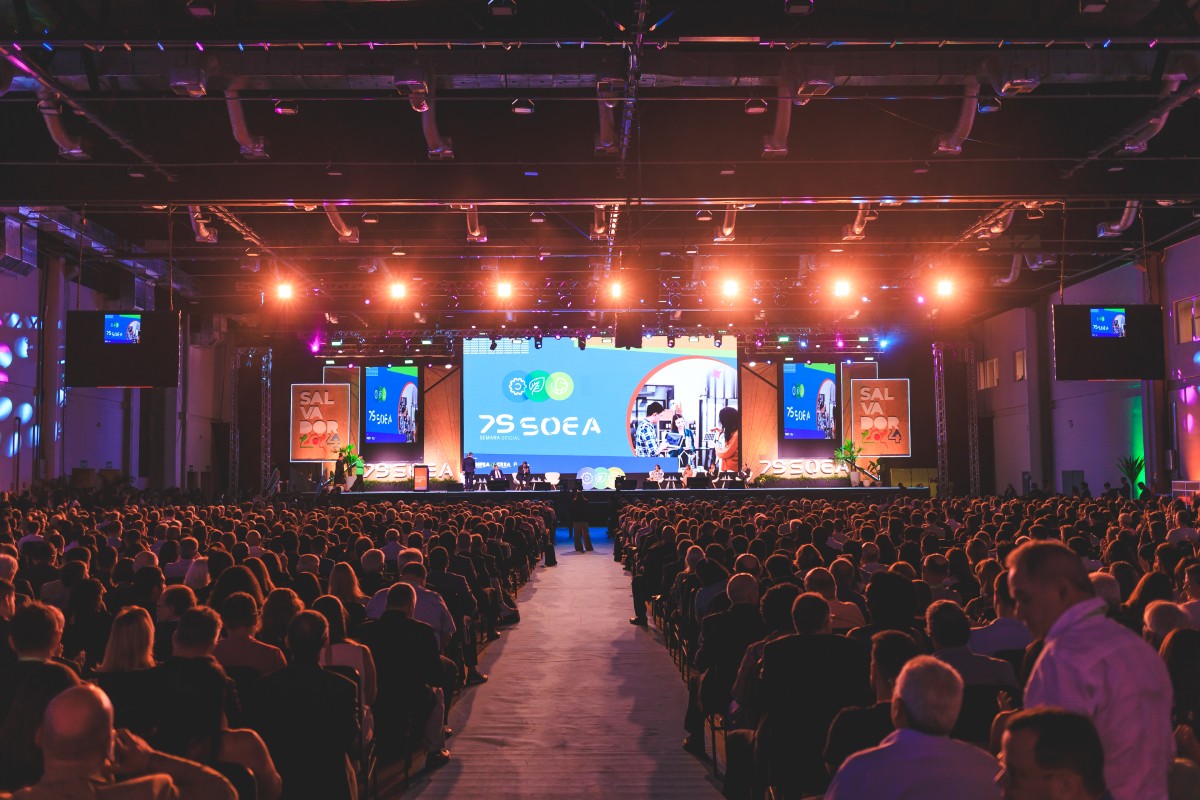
(874, 469)
(1131, 468)
(351, 459)
(848, 454)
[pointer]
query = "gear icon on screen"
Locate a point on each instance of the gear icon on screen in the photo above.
(516, 386)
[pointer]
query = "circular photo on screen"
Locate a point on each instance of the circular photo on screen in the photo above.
(674, 410)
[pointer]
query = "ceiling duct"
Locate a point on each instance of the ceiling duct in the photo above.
(857, 230)
(200, 226)
(950, 144)
(1109, 230)
(1140, 140)
(347, 234)
(438, 147)
(20, 247)
(252, 147)
(775, 143)
(1012, 78)
(599, 231)
(70, 146)
(476, 232)
(998, 225)
(725, 231)
(610, 92)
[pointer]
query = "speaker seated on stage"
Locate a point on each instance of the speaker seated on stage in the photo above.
(656, 475)
(686, 474)
(497, 474)
(524, 475)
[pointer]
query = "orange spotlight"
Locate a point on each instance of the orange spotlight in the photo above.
(504, 289)
(615, 289)
(841, 288)
(945, 287)
(284, 291)
(398, 291)
(729, 288)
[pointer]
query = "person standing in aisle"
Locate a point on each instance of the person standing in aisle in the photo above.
(580, 509)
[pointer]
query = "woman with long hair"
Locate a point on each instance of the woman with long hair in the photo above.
(88, 623)
(277, 612)
(257, 566)
(731, 420)
(235, 579)
(343, 584)
(124, 673)
(342, 651)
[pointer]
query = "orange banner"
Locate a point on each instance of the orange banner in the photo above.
(881, 416)
(320, 420)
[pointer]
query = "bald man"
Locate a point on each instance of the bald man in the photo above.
(1095, 666)
(85, 757)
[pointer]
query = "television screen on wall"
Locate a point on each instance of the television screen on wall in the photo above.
(122, 349)
(1109, 342)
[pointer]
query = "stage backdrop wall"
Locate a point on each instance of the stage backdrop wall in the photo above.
(443, 419)
(760, 418)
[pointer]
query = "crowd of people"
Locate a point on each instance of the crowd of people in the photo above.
(244, 650)
(960, 648)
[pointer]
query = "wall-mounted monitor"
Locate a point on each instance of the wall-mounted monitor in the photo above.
(1108, 342)
(122, 349)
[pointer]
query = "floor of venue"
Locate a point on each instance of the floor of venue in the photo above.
(580, 703)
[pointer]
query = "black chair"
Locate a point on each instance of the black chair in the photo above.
(497, 485)
(980, 705)
(365, 760)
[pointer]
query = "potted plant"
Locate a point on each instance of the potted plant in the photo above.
(848, 454)
(1131, 468)
(353, 462)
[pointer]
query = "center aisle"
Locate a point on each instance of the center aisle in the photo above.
(580, 703)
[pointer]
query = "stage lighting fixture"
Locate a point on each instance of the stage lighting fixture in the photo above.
(370, 218)
(522, 105)
(920, 299)
(704, 215)
(798, 8)
(841, 342)
(502, 8)
(495, 342)
(729, 288)
(504, 289)
(399, 290)
(671, 340)
(883, 343)
(398, 251)
(615, 289)
(537, 342)
(988, 102)
(692, 249)
(202, 9)
(945, 287)
(841, 288)
(803, 344)
(537, 217)
(284, 291)
(287, 108)
(718, 339)
(582, 340)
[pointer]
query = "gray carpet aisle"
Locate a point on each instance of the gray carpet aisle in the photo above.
(580, 704)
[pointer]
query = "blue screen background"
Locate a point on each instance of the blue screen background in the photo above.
(383, 388)
(801, 385)
(1102, 320)
(116, 328)
(519, 380)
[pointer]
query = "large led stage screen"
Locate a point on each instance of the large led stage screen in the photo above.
(809, 401)
(568, 410)
(392, 395)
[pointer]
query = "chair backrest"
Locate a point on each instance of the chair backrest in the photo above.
(244, 678)
(552, 478)
(979, 709)
(1017, 659)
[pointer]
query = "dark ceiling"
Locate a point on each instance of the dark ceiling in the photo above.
(639, 107)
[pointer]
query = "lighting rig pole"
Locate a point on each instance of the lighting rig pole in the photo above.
(250, 357)
(963, 352)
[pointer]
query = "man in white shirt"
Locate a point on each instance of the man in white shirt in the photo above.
(919, 759)
(1183, 530)
(1096, 667)
(431, 608)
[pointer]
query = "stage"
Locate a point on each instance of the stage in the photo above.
(608, 498)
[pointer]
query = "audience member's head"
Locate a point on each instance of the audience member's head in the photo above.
(402, 597)
(35, 631)
(1160, 618)
(307, 634)
(1051, 754)
(810, 614)
(130, 642)
(927, 697)
(174, 601)
(947, 624)
(239, 614)
(77, 729)
(1107, 588)
(776, 607)
(197, 633)
(1046, 578)
(742, 588)
(890, 651)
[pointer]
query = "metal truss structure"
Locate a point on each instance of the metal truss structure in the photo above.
(259, 357)
(963, 352)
